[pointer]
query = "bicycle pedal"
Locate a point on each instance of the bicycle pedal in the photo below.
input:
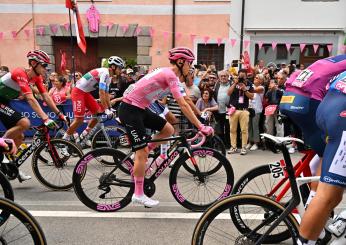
(147, 207)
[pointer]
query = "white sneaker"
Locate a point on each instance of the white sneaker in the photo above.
(22, 176)
(254, 147)
(243, 151)
(64, 152)
(248, 146)
(337, 228)
(144, 200)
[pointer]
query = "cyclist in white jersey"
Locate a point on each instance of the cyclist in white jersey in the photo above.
(136, 118)
(82, 99)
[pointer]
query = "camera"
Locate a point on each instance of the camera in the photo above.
(198, 66)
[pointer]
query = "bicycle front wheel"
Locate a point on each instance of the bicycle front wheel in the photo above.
(257, 213)
(20, 228)
(117, 136)
(197, 190)
(7, 192)
(53, 163)
(216, 143)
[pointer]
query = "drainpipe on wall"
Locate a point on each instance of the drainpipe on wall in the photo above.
(242, 31)
(33, 22)
(173, 24)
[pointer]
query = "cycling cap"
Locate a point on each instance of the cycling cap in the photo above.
(115, 60)
(129, 71)
(181, 53)
(39, 56)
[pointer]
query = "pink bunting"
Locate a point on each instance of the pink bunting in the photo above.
(165, 35)
(233, 42)
(315, 46)
(14, 34)
(27, 33)
(138, 30)
(67, 26)
(178, 35)
(260, 44)
(193, 37)
(1, 35)
(41, 30)
(206, 39)
(330, 48)
(219, 41)
(288, 46)
(54, 28)
(302, 46)
(109, 26)
(274, 45)
(151, 32)
(124, 28)
(246, 43)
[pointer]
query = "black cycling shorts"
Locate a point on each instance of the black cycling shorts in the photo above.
(8, 116)
(136, 120)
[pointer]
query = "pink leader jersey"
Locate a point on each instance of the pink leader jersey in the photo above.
(151, 87)
(312, 81)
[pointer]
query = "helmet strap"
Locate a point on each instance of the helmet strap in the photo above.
(34, 67)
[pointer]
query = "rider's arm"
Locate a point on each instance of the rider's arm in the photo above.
(50, 102)
(103, 90)
(186, 109)
(35, 106)
(104, 98)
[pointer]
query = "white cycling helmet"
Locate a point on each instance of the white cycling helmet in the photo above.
(115, 60)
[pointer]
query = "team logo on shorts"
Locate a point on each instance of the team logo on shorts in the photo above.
(343, 114)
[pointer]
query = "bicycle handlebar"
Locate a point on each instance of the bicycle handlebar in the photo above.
(199, 134)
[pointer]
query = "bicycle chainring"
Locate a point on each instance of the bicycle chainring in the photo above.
(149, 188)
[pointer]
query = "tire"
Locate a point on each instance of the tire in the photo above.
(203, 189)
(6, 191)
(216, 225)
(93, 188)
(21, 227)
(216, 143)
(260, 181)
(117, 136)
(48, 172)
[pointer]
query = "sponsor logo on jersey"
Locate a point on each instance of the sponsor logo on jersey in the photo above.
(287, 99)
(341, 86)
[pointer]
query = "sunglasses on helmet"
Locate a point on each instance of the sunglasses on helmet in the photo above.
(45, 65)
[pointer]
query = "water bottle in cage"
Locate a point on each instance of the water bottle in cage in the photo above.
(164, 150)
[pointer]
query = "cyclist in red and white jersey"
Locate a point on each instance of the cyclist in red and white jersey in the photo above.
(133, 114)
(82, 99)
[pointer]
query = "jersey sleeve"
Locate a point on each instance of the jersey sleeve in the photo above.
(174, 87)
(104, 81)
(39, 84)
(21, 78)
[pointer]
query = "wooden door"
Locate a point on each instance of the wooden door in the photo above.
(83, 62)
(309, 56)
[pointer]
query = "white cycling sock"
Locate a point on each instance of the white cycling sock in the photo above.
(303, 241)
(311, 195)
(66, 136)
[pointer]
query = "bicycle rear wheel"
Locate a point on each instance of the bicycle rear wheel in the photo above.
(53, 166)
(117, 137)
(21, 227)
(217, 226)
(96, 187)
(197, 191)
(7, 192)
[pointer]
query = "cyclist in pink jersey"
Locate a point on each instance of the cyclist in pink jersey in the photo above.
(133, 114)
(82, 99)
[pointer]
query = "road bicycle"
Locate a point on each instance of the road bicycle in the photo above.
(253, 218)
(53, 160)
(103, 180)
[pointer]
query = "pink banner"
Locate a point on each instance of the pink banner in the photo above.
(27, 33)
(219, 41)
(330, 48)
(165, 35)
(124, 28)
(138, 30)
(315, 46)
(67, 26)
(41, 30)
(54, 28)
(14, 34)
(274, 45)
(206, 39)
(302, 46)
(246, 44)
(1, 35)
(193, 37)
(152, 32)
(178, 35)
(260, 44)
(288, 46)
(109, 26)
(233, 42)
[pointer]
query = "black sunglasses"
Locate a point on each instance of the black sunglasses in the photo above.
(45, 65)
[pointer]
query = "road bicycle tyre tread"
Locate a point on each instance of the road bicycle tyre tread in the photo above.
(216, 143)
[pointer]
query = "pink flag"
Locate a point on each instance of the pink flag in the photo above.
(233, 42)
(302, 46)
(246, 43)
(152, 32)
(274, 45)
(1, 35)
(67, 26)
(260, 44)
(41, 30)
(54, 28)
(27, 33)
(14, 34)
(219, 41)
(124, 28)
(178, 35)
(109, 26)
(330, 48)
(192, 37)
(206, 39)
(288, 46)
(315, 46)
(138, 30)
(165, 35)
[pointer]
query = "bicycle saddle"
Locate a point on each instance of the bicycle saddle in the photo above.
(281, 140)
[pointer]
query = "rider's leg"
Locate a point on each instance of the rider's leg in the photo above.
(17, 132)
(77, 122)
(167, 131)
